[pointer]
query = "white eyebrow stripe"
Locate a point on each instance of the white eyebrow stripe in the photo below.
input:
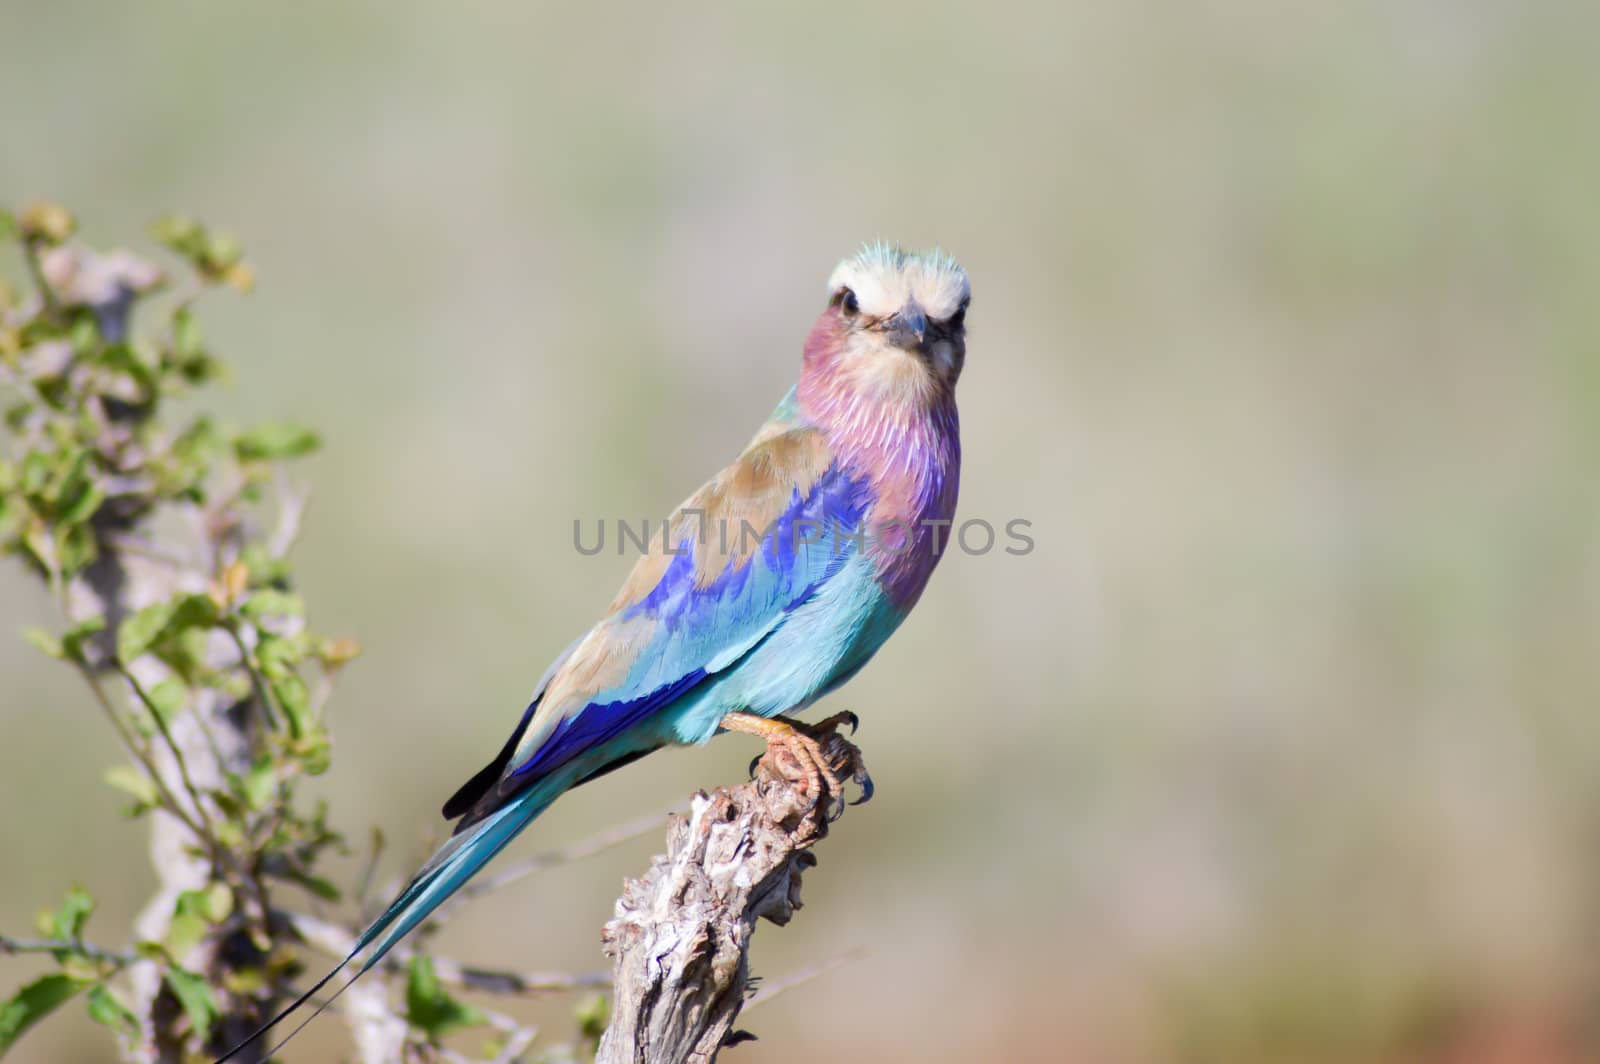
(885, 279)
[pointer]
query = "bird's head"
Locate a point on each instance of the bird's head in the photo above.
(895, 326)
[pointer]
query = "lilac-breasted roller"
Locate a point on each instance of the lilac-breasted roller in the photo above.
(768, 588)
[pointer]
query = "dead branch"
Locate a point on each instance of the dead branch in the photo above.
(680, 940)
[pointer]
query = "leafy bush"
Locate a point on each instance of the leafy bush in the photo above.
(164, 538)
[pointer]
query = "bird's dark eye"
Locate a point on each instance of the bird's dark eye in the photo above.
(959, 318)
(847, 301)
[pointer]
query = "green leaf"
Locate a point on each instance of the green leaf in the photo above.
(73, 914)
(185, 654)
(313, 750)
(84, 335)
(137, 782)
(212, 905)
(184, 933)
(429, 1008)
(593, 1013)
(276, 440)
(76, 548)
(184, 235)
(132, 362)
(84, 505)
(185, 334)
(228, 832)
(72, 478)
(196, 998)
(107, 1009)
(33, 1003)
(270, 602)
(44, 641)
(222, 251)
(322, 888)
(260, 783)
(17, 415)
(218, 902)
(74, 638)
(161, 621)
(167, 697)
(279, 655)
(291, 693)
(34, 474)
(264, 569)
(189, 459)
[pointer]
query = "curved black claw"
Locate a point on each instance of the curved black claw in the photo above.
(754, 761)
(850, 718)
(864, 780)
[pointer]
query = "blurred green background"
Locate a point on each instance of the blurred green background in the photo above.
(1280, 746)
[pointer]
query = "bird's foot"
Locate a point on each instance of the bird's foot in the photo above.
(813, 754)
(851, 763)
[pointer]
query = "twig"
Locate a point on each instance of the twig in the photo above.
(772, 988)
(337, 941)
(221, 858)
(363, 892)
(141, 754)
(177, 752)
(495, 982)
(131, 544)
(58, 945)
(291, 512)
(137, 750)
(519, 1036)
(577, 851)
(257, 683)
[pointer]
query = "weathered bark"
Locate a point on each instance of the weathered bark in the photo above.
(681, 936)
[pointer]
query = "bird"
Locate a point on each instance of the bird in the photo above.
(769, 587)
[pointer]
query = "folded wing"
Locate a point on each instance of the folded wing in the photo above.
(756, 541)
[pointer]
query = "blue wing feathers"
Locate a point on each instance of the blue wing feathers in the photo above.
(600, 723)
(704, 630)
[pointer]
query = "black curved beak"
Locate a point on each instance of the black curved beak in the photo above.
(907, 328)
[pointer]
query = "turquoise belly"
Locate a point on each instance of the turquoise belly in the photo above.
(819, 646)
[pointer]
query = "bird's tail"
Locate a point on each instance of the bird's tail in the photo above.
(457, 861)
